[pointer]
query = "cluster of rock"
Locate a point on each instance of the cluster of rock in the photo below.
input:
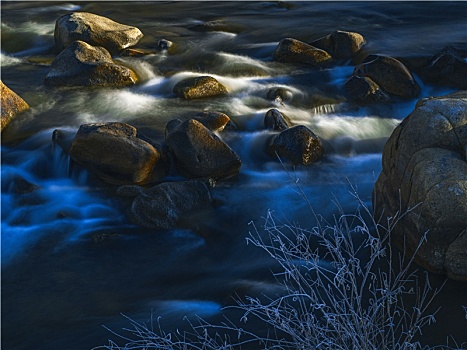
(424, 160)
(425, 166)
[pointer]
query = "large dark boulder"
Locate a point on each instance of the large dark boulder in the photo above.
(81, 64)
(198, 152)
(297, 144)
(114, 153)
(295, 51)
(340, 44)
(390, 75)
(166, 205)
(448, 67)
(424, 165)
(11, 105)
(199, 87)
(95, 30)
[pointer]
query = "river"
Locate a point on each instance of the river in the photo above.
(71, 262)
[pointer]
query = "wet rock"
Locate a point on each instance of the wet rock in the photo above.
(113, 152)
(279, 95)
(130, 191)
(365, 91)
(448, 67)
(298, 144)
(164, 44)
(216, 26)
(389, 74)
(81, 64)
(166, 205)
(199, 87)
(294, 51)
(18, 185)
(214, 121)
(199, 153)
(94, 30)
(63, 138)
(424, 164)
(11, 105)
(340, 44)
(275, 120)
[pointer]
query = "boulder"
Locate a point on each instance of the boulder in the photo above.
(114, 153)
(389, 74)
(198, 152)
(214, 121)
(94, 30)
(363, 90)
(424, 166)
(294, 51)
(448, 67)
(11, 105)
(340, 44)
(166, 205)
(297, 144)
(199, 87)
(277, 121)
(81, 64)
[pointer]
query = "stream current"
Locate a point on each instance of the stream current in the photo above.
(71, 262)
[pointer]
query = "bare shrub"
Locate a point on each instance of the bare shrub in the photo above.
(344, 288)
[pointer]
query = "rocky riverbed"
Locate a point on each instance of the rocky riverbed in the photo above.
(139, 140)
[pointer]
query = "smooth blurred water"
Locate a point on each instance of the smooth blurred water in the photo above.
(71, 261)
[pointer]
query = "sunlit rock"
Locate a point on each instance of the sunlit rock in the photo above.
(114, 153)
(168, 204)
(95, 30)
(340, 44)
(275, 120)
(390, 75)
(12, 105)
(199, 153)
(81, 64)
(448, 67)
(295, 51)
(363, 90)
(297, 144)
(424, 165)
(199, 87)
(214, 121)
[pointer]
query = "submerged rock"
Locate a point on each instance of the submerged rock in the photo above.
(294, 51)
(199, 153)
(275, 120)
(199, 87)
(364, 90)
(11, 105)
(216, 26)
(448, 67)
(113, 152)
(340, 44)
(297, 144)
(424, 165)
(166, 205)
(95, 30)
(390, 75)
(81, 64)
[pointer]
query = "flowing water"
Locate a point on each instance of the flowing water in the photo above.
(71, 262)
